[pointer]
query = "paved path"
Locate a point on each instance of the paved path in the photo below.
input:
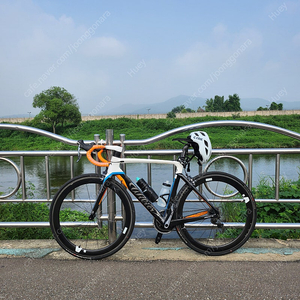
(27, 278)
(39, 269)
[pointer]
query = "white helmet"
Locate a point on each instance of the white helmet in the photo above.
(201, 144)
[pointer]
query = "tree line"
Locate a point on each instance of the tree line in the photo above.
(218, 104)
(58, 107)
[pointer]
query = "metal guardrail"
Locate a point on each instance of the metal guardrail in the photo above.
(149, 153)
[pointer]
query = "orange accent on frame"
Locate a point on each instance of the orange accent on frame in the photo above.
(197, 215)
(102, 197)
(122, 180)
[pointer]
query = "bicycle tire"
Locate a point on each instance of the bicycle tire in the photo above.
(237, 213)
(91, 239)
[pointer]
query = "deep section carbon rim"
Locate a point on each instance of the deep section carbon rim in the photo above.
(237, 214)
(101, 237)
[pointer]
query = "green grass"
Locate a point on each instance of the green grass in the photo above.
(221, 137)
(39, 212)
(277, 212)
(271, 212)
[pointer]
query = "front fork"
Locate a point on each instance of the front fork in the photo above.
(99, 197)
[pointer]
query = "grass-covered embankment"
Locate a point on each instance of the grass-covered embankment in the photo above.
(221, 137)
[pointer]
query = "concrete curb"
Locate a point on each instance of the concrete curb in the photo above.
(168, 249)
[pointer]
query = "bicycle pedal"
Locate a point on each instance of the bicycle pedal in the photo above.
(158, 238)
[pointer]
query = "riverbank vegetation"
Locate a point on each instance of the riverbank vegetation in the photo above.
(222, 137)
(277, 212)
(134, 129)
(266, 213)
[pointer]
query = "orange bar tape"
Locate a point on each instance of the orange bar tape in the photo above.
(104, 162)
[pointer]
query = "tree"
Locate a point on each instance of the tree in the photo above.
(275, 106)
(171, 115)
(187, 110)
(262, 108)
(178, 109)
(218, 104)
(209, 105)
(233, 103)
(57, 107)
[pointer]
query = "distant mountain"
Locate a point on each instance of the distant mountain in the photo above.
(125, 109)
(247, 104)
(290, 105)
(158, 107)
(17, 116)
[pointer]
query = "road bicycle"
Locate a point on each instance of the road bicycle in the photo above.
(92, 216)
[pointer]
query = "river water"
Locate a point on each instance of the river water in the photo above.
(60, 170)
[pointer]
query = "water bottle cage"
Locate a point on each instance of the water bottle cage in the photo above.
(163, 196)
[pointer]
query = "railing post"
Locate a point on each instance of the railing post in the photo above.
(250, 171)
(149, 173)
(277, 176)
(23, 177)
(47, 177)
(123, 166)
(72, 175)
(111, 196)
(97, 187)
(97, 139)
(122, 140)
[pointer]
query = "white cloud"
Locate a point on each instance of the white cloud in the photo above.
(296, 40)
(220, 31)
(103, 47)
(40, 50)
(207, 56)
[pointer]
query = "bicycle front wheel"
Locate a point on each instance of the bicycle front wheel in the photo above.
(237, 214)
(110, 229)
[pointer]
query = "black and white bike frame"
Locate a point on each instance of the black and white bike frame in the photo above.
(164, 218)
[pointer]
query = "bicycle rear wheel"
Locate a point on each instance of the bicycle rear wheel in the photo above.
(101, 237)
(237, 214)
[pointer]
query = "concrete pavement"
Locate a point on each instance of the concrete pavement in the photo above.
(30, 279)
(40, 269)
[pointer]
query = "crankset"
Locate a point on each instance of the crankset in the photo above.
(160, 227)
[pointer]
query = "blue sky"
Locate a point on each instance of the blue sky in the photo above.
(147, 51)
